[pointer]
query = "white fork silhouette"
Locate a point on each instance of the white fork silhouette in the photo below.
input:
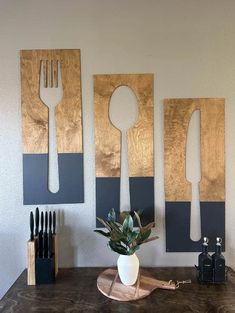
(51, 93)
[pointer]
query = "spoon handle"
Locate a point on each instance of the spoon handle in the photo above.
(124, 184)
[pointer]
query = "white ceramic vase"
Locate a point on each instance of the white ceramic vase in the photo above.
(128, 269)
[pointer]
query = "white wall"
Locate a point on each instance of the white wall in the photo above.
(188, 44)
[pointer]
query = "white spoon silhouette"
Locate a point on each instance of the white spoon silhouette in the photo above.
(123, 113)
(193, 173)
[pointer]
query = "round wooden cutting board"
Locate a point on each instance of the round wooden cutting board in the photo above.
(109, 284)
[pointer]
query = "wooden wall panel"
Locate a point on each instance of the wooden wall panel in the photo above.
(139, 141)
(177, 116)
(68, 111)
(178, 195)
(35, 119)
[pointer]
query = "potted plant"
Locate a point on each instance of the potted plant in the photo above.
(125, 239)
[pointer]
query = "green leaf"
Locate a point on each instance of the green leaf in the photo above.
(150, 239)
(106, 224)
(116, 247)
(127, 224)
(101, 232)
(138, 219)
(147, 227)
(140, 212)
(111, 216)
(116, 227)
(143, 236)
(133, 250)
(123, 215)
(115, 236)
(132, 236)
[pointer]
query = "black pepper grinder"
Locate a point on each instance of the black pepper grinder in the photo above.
(205, 268)
(218, 261)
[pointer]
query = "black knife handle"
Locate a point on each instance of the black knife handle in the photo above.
(54, 222)
(31, 226)
(42, 221)
(50, 221)
(36, 221)
(46, 221)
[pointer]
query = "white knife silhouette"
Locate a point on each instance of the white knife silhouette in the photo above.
(193, 173)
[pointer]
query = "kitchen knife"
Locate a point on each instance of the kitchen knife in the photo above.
(31, 226)
(36, 221)
(42, 222)
(54, 222)
(45, 238)
(40, 238)
(50, 236)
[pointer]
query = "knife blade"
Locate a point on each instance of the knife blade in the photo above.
(45, 238)
(31, 226)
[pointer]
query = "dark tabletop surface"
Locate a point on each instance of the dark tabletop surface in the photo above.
(75, 291)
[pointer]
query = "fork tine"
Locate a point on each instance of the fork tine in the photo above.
(41, 74)
(45, 77)
(59, 83)
(50, 73)
(55, 73)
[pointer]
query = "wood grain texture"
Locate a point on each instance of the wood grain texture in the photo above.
(75, 290)
(31, 263)
(109, 284)
(55, 251)
(177, 114)
(68, 111)
(139, 137)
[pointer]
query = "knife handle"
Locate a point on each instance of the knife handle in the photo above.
(31, 226)
(36, 221)
(46, 221)
(54, 222)
(42, 221)
(50, 221)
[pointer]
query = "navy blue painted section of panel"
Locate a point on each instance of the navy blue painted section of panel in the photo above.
(107, 196)
(178, 226)
(142, 197)
(35, 179)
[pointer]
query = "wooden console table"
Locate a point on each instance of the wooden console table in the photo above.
(75, 291)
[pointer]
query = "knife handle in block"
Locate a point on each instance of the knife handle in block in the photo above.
(55, 252)
(31, 251)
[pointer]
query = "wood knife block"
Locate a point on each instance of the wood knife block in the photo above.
(39, 266)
